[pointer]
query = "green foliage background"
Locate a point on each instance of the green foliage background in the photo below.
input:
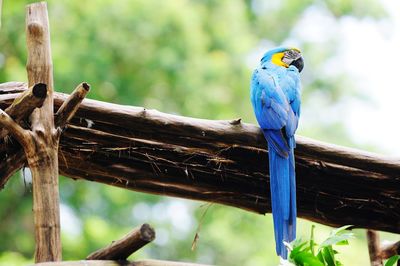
(188, 57)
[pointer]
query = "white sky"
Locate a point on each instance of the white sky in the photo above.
(369, 52)
(378, 74)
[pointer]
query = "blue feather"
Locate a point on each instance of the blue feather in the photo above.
(275, 95)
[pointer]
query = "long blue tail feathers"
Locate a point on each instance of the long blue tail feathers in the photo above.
(283, 198)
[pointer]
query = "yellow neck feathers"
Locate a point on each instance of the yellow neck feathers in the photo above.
(277, 60)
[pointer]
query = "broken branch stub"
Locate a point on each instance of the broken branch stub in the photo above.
(121, 249)
(23, 106)
(71, 105)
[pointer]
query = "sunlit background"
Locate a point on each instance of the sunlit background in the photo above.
(195, 58)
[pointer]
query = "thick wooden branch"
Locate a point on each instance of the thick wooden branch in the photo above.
(23, 105)
(42, 156)
(199, 133)
(71, 105)
(119, 263)
(345, 156)
(224, 162)
(124, 247)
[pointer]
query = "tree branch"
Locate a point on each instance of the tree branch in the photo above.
(71, 105)
(20, 134)
(23, 105)
(390, 250)
(149, 151)
(123, 248)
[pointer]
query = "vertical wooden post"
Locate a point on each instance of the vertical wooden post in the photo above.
(42, 154)
(374, 248)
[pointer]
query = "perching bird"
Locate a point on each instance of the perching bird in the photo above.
(275, 95)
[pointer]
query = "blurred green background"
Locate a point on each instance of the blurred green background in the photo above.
(192, 58)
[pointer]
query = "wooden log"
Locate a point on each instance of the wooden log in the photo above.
(119, 263)
(121, 249)
(195, 132)
(322, 197)
(207, 133)
(42, 156)
(224, 163)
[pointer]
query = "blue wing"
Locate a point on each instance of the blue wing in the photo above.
(272, 109)
(291, 88)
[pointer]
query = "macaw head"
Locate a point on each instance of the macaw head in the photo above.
(285, 57)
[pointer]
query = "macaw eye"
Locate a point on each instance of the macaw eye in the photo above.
(291, 54)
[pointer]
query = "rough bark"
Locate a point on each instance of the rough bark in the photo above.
(223, 162)
(42, 153)
(124, 247)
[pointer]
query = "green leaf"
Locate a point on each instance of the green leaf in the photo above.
(340, 229)
(303, 252)
(298, 248)
(329, 256)
(320, 256)
(335, 239)
(306, 259)
(342, 243)
(392, 260)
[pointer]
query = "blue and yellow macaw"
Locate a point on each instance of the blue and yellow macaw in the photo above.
(275, 95)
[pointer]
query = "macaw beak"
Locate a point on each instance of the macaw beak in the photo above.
(299, 64)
